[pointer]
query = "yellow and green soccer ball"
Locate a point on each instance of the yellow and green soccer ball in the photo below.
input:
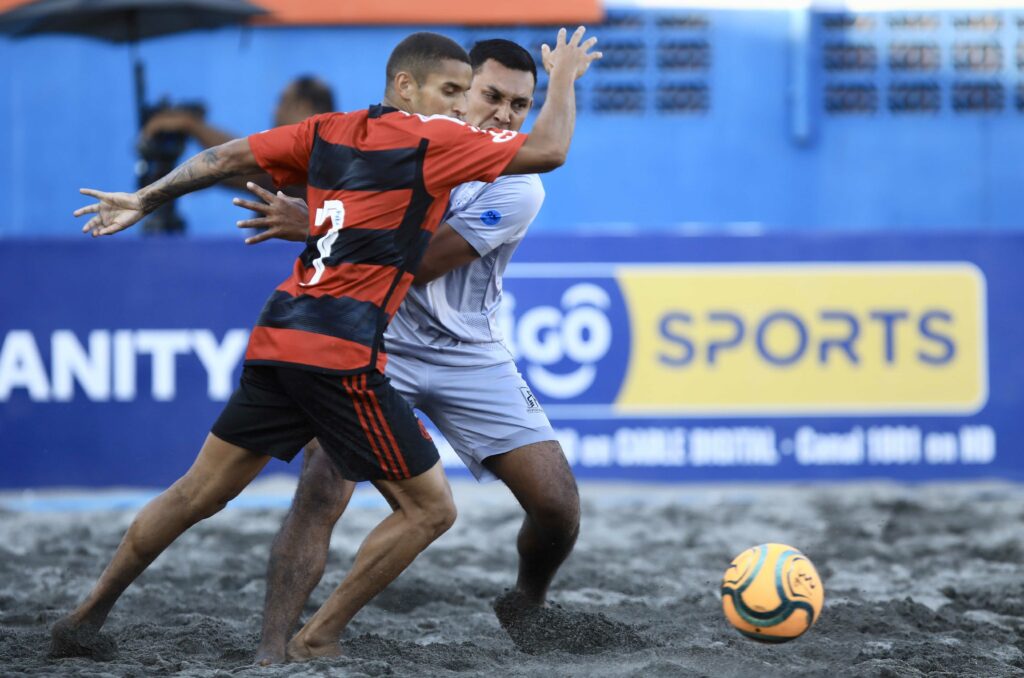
(772, 593)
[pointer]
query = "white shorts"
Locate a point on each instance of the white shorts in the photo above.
(481, 411)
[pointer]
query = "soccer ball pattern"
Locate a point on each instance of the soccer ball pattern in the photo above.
(772, 593)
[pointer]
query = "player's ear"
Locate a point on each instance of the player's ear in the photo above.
(404, 85)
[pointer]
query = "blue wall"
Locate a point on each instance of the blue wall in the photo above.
(757, 149)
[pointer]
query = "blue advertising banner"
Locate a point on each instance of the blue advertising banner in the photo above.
(793, 357)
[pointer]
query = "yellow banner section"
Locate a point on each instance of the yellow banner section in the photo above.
(793, 338)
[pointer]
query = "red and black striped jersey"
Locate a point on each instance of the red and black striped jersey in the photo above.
(378, 182)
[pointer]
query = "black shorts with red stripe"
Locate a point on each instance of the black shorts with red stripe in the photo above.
(361, 421)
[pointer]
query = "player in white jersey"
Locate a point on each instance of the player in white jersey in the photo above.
(447, 358)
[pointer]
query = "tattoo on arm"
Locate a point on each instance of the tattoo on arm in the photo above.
(201, 170)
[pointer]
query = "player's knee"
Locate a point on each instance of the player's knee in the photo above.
(436, 517)
(202, 495)
(198, 503)
(320, 504)
(443, 515)
(558, 516)
(212, 501)
(556, 512)
(322, 493)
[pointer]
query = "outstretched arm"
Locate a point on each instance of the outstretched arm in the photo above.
(117, 211)
(548, 144)
(193, 124)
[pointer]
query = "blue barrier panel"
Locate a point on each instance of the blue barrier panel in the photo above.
(770, 358)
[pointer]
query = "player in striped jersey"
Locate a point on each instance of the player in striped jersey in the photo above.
(380, 179)
(447, 358)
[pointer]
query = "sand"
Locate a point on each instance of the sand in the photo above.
(920, 581)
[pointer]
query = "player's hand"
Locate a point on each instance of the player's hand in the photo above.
(285, 218)
(570, 55)
(114, 212)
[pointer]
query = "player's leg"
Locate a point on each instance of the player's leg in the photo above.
(259, 416)
(498, 428)
(371, 433)
(425, 511)
(540, 478)
(299, 552)
(218, 474)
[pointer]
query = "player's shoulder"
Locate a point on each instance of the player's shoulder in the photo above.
(335, 117)
(517, 196)
(447, 126)
(530, 182)
(523, 185)
(420, 121)
(335, 120)
(434, 128)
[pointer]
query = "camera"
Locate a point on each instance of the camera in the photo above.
(158, 155)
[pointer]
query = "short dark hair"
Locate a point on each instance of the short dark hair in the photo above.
(421, 53)
(314, 91)
(506, 53)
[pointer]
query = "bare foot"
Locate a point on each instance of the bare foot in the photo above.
(69, 638)
(302, 649)
(267, 656)
(538, 628)
(513, 606)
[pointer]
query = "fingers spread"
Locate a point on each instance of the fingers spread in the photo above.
(259, 190)
(260, 207)
(260, 237)
(99, 195)
(577, 36)
(88, 209)
(91, 224)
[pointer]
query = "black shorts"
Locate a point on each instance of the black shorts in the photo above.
(361, 421)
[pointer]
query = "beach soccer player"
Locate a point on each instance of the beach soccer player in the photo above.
(379, 180)
(446, 357)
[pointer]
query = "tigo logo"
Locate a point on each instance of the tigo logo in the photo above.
(570, 337)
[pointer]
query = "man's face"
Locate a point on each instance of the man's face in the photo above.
(443, 92)
(500, 97)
